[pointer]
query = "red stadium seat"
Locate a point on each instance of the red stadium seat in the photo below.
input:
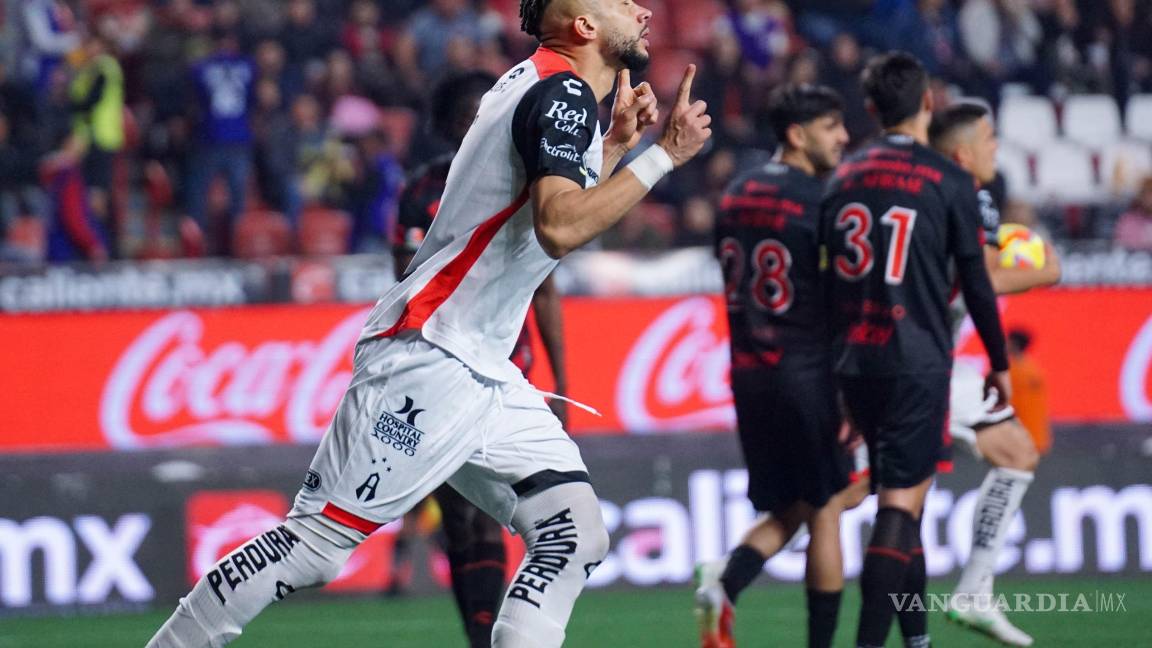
(261, 234)
(323, 232)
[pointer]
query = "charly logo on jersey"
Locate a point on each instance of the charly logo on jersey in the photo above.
(566, 119)
(512, 76)
(400, 433)
(988, 211)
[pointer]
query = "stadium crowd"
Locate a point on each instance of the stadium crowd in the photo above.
(159, 129)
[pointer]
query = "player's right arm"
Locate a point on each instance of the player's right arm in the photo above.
(567, 215)
(966, 251)
(1009, 281)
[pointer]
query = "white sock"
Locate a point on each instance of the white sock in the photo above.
(999, 499)
(566, 540)
(301, 552)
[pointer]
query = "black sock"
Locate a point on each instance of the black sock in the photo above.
(885, 566)
(478, 583)
(823, 608)
(914, 618)
(744, 565)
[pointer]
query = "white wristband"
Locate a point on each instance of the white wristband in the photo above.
(651, 165)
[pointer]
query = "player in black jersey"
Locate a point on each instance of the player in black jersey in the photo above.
(786, 407)
(964, 133)
(475, 543)
(898, 217)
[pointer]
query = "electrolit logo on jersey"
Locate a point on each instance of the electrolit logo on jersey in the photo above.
(676, 375)
(563, 151)
(184, 382)
(565, 119)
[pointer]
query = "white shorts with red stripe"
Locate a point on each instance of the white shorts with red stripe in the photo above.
(969, 412)
(414, 417)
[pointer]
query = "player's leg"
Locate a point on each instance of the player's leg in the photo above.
(300, 553)
(902, 419)
(529, 474)
(824, 568)
(381, 455)
(1009, 448)
(476, 557)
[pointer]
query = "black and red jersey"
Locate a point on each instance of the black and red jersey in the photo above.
(418, 204)
(768, 247)
(895, 217)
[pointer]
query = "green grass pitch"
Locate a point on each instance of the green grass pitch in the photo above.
(769, 614)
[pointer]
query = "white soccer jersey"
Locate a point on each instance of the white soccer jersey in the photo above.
(471, 282)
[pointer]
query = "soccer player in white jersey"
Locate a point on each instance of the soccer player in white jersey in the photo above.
(434, 397)
(964, 133)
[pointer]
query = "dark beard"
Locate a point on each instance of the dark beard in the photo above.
(631, 57)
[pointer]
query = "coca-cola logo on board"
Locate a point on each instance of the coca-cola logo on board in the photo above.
(1135, 373)
(171, 387)
(676, 375)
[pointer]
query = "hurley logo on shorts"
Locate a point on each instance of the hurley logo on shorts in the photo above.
(251, 559)
(549, 557)
(401, 434)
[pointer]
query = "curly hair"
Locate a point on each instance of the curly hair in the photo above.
(531, 14)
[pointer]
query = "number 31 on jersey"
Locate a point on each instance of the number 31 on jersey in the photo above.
(856, 221)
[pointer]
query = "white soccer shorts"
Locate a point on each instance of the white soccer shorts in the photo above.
(969, 412)
(414, 417)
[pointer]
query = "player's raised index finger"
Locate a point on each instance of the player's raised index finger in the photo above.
(624, 81)
(686, 85)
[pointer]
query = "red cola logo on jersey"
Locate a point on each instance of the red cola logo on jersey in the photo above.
(183, 382)
(676, 374)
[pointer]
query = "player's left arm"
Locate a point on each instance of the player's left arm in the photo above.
(631, 115)
(550, 323)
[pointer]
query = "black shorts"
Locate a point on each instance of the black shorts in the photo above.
(788, 420)
(904, 420)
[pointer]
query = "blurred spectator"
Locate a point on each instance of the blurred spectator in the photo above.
(374, 193)
(307, 40)
(323, 164)
(842, 74)
(49, 33)
(97, 95)
(764, 30)
(422, 50)
(1134, 228)
(1002, 38)
(275, 151)
(1029, 390)
(73, 233)
(933, 36)
(720, 83)
(224, 86)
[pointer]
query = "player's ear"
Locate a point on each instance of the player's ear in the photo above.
(585, 27)
(796, 136)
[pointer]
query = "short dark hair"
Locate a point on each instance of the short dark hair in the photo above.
(531, 14)
(800, 103)
(452, 94)
(895, 83)
(1020, 338)
(960, 115)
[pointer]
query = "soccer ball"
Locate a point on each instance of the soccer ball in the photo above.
(1020, 247)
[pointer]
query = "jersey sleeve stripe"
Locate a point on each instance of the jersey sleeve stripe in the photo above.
(447, 279)
(548, 62)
